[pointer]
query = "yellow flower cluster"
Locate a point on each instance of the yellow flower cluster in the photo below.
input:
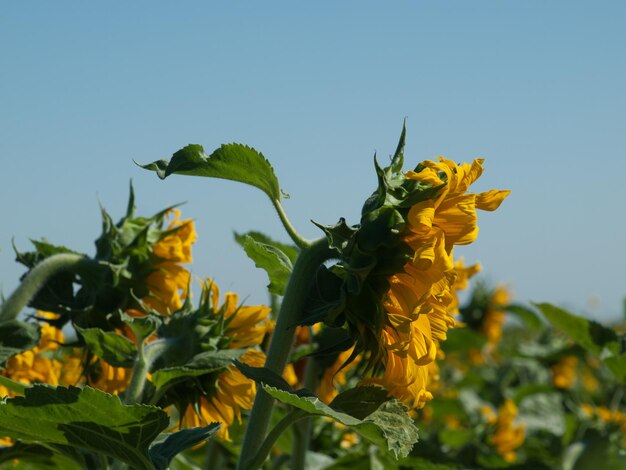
(495, 315)
(564, 372)
(607, 416)
(508, 436)
(232, 392)
(169, 281)
(420, 302)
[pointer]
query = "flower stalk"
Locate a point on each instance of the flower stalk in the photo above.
(36, 279)
(304, 270)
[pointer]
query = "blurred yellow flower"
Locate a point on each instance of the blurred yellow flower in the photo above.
(564, 372)
(495, 315)
(508, 436)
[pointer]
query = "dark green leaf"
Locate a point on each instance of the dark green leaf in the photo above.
(589, 334)
(86, 418)
(234, 162)
(35, 457)
(617, 365)
(144, 326)
(114, 348)
(263, 375)
(202, 363)
(389, 426)
(276, 264)
(162, 453)
(360, 402)
(15, 337)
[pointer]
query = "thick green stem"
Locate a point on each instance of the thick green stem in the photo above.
(307, 264)
(293, 233)
(36, 279)
(302, 438)
(265, 449)
(146, 355)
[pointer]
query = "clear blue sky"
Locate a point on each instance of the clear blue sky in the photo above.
(536, 88)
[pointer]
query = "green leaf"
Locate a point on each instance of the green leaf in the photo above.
(263, 375)
(526, 315)
(162, 453)
(360, 402)
(456, 438)
(35, 457)
(114, 348)
(272, 260)
(202, 363)
(86, 418)
(291, 251)
(389, 426)
(15, 337)
(463, 339)
(234, 162)
(617, 365)
(589, 334)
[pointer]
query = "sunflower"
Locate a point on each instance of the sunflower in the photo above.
(421, 301)
(225, 394)
(168, 282)
(508, 436)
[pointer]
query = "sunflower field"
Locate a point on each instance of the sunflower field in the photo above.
(364, 358)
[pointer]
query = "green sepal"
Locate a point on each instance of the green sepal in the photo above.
(85, 418)
(15, 337)
(341, 236)
(234, 162)
(117, 350)
(142, 327)
(271, 259)
(389, 426)
(162, 453)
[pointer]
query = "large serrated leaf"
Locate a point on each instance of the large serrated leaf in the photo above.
(114, 348)
(17, 336)
(162, 453)
(389, 426)
(234, 162)
(202, 363)
(272, 260)
(589, 334)
(86, 418)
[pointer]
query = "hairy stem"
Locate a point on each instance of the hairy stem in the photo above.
(146, 355)
(302, 438)
(36, 279)
(266, 447)
(293, 233)
(307, 264)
